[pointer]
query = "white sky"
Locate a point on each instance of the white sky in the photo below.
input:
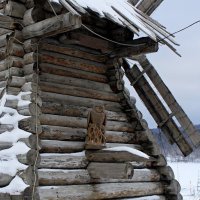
(181, 75)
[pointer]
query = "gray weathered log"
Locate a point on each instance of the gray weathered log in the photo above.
(15, 81)
(52, 26)
(15, 9)
(101, 191)
(110, 170)
(63, 161)
(29, 158)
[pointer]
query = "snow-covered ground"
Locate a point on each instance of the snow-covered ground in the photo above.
(187, 174)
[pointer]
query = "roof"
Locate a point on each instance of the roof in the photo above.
(126, 14)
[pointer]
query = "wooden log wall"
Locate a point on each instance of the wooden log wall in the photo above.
(72, 80)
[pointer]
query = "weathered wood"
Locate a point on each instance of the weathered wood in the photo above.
(30, 68)
(154, 197)
(69, 72)
(101, 191)
(5, 179)
(56, 6)
(157, 109)
(30, 58)
(14, 61)
(15, 9)
(3, 40)
(52, 26)
(91, 42)
(29, 125)
(75, 82)
(113, 156)
(173, 188)
(72, 62)
(57, 120)
(31, 142)
(30, 45)
(75, 134)
(63, 161)
(138, 47)
(166, 173)
(52, 146)
(5, 145)
(77, 91)
(29, 110)
(74, 51)
(33, 98)
(29, 158)
(86, 102)
(81, 176)
(15, 49)
(77, 111)
(5, 31)
(110, 170)
(178, 112)
(7, 22)
(31, 87)
(15, 81)
(6, 127)
(33, 15)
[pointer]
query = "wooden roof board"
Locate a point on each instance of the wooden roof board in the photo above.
(124, 13)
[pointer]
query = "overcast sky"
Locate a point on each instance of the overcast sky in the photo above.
(181, 75)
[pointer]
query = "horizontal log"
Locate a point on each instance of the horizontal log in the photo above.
(15, 9)
(6, 127)
(29, 158)
(30, 68)
(30, 45)
(5, 145)
(3, 40)
(30, 58)
(7, 22)
(114, 156)
(29, 124)
(154, 197)
(55, 146)
(33, 98)
(100, 191)
(57, 120)
(5, 31)
(110, 170)
(5, 179)
(33, 15)
(72, 62)
(74, 51)
(31, 87)
(81, 176)
(15, 49)
(69, 72)
(45, 77)
(16, 81)
(172, 188)
(63, 161)
(13, 90)
(76, 134)
(86, 102)
(29, 110)
(77, 91)
(166, 173)
(77, 111)
(52, 26)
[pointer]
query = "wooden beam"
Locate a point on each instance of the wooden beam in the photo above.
(52, 26)
(137, 47)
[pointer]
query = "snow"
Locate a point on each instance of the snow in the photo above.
(81, 153)
(187, 175)
(15, 187)
(9, 163)
(128, 149)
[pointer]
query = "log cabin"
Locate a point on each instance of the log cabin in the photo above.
(59, 59)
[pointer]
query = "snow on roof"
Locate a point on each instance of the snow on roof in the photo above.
(125, 14)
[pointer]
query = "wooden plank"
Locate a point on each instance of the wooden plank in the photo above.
(178, 112)
(72, 62)
(52, 26)
(100, 191)
(78, 122)
(70, 72)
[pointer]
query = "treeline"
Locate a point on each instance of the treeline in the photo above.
(172, 152)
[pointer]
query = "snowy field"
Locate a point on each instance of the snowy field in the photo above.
(187, 174)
